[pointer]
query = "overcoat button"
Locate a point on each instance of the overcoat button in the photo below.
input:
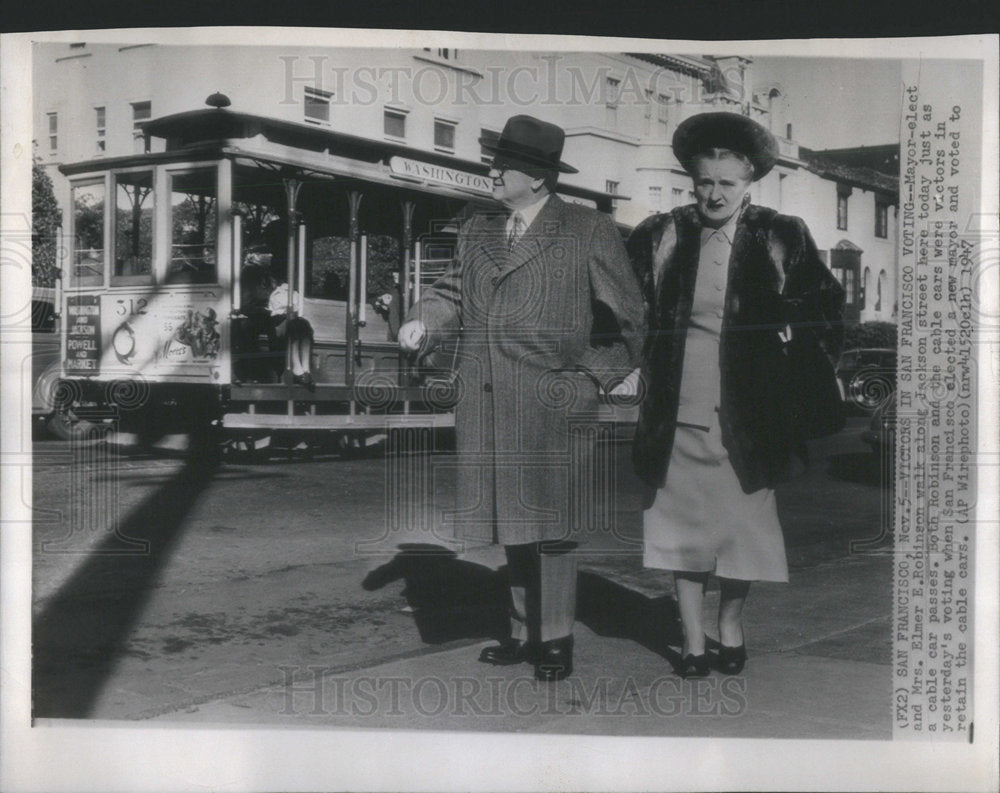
(488, 388)
(494, 280)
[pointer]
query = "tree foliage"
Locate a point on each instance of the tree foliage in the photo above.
(46, 226)
(870, 334)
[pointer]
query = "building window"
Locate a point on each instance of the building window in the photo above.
(444, 135)
(487, 136)
(101, 118)
(611, 187)
(141, 111)
(843, 193)
(846, 276)
(655, 198)
(612, 89)
(394, 123)
(317, 105)
(881, 219)
(881, 287)
(53, 131)
(663, 112)
(676, 197)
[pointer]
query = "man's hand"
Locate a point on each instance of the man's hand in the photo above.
(411, 334)
(629, 387)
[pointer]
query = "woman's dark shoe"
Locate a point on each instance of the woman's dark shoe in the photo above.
(305, 379)
(506, 653)
(694, 666)
(555, 660)
(732, 659)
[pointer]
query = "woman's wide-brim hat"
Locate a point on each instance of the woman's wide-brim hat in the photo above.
(528, 143)
(705, 131)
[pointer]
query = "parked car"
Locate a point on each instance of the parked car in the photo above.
(867, 376)
(881, 432)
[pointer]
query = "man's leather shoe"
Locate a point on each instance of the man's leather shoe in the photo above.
(555, 660)
(506, 653)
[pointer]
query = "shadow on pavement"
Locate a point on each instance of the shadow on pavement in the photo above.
(610, 609)
(78, 636)
(451, 598)
(456, 599)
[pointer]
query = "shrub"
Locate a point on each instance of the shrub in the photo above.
(870, 334)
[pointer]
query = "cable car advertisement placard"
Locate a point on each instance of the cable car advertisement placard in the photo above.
(163, 333)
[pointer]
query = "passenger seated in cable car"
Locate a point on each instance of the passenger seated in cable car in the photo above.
(264, 306)
(291, 329)
(253, 332)
(389, 306)
(294, 330)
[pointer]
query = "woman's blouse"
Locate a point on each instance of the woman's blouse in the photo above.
(700, 391)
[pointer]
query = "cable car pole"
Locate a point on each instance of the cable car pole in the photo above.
(292, 187)
(408, 208)
(354, 199)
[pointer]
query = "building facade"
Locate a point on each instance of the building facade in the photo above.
(619, 111)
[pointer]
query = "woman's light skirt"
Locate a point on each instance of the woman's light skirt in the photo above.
(702, 521)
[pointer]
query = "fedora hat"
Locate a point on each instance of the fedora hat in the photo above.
(528, 143)
(705, 131)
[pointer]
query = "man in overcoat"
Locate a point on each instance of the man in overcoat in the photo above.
(547, 310)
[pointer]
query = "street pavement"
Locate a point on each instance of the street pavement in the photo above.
(287, 593)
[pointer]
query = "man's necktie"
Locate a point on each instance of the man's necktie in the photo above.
(516, 230)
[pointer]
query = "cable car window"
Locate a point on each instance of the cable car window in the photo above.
(43, 316)
(384, 253)
(329, 261)
(193, 227)
(88, 234)
(256, 218)
(133, 232)
(327, 268)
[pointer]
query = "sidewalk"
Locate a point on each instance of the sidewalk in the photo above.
(819, 668)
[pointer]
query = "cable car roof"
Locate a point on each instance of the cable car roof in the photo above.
(201, 131)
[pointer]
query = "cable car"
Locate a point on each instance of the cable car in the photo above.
(170, 252)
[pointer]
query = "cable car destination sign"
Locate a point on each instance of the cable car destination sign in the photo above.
(425, 171)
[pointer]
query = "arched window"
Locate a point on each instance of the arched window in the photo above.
(866, 287)
(883, 286)
(776, 111)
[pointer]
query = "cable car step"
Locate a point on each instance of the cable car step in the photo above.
(359, 421)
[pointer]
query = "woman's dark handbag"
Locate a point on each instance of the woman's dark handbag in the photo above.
(819, 410)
